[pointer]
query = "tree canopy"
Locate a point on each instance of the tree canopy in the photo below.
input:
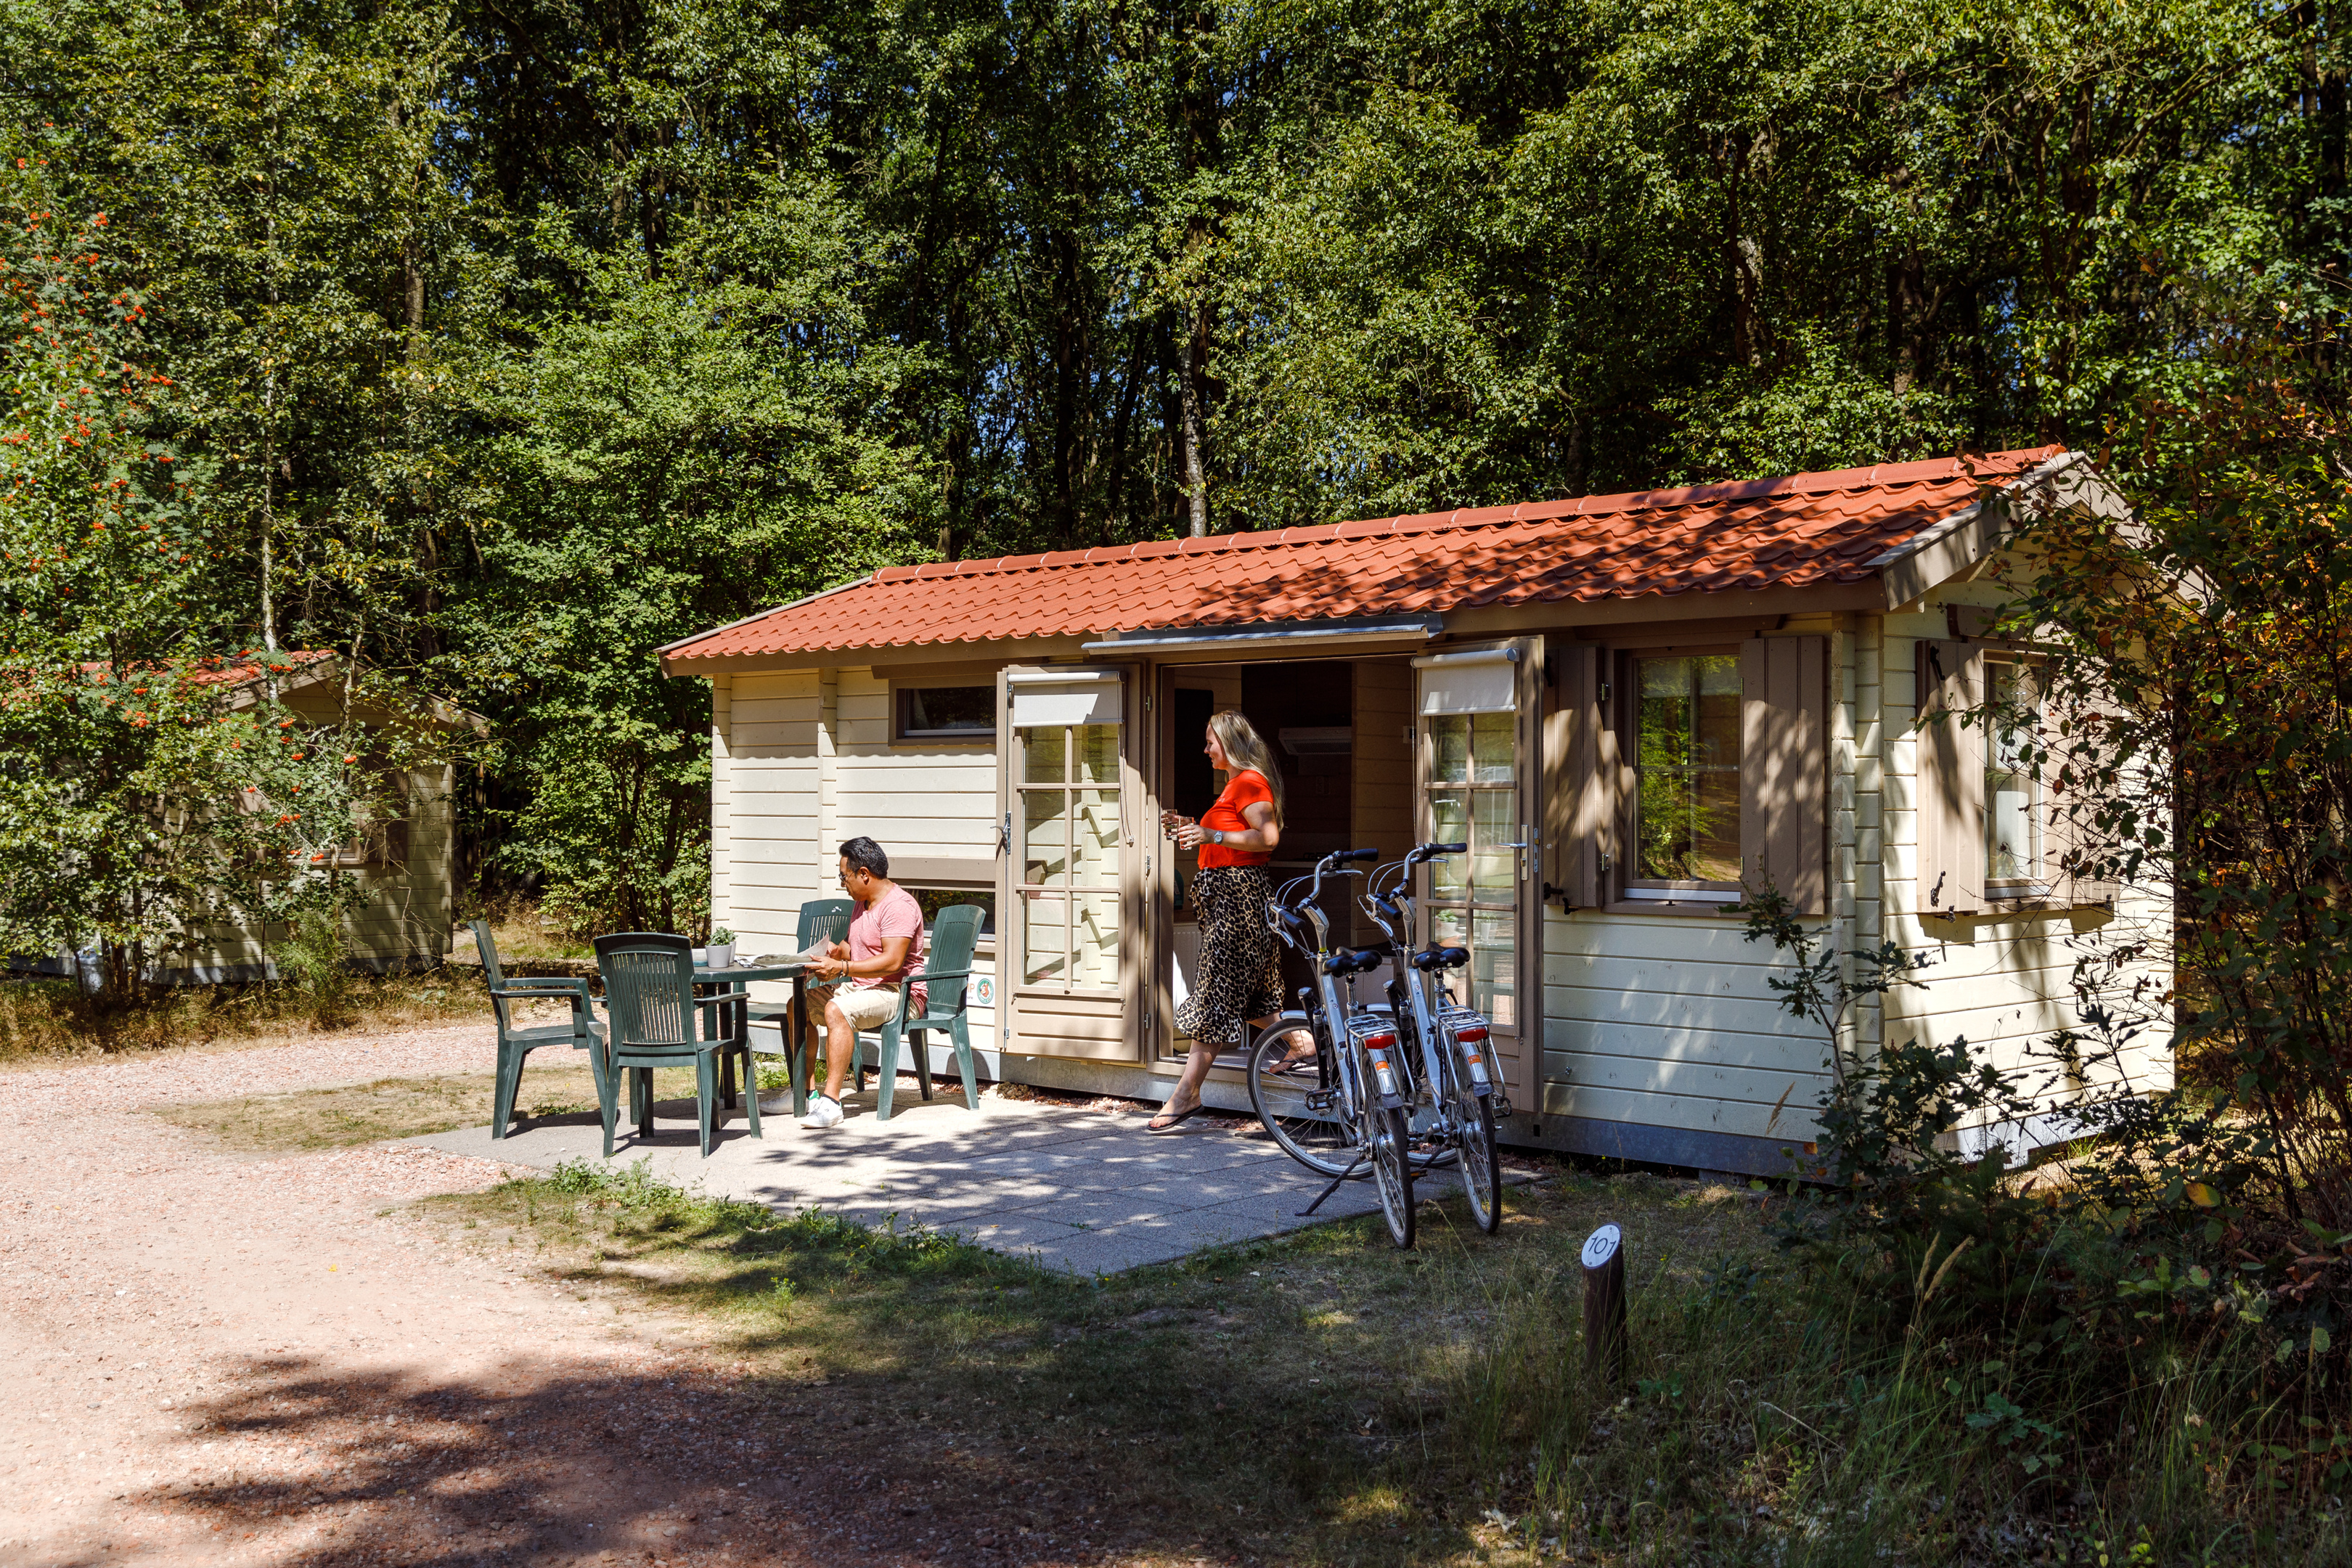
(514, 341)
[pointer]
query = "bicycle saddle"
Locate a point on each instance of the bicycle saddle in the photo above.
(1352, 961)
(1441, 957)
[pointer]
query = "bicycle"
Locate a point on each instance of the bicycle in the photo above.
(1339, 1107)
(1462, 1100)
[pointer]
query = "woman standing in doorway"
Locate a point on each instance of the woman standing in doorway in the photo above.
(1239, 979)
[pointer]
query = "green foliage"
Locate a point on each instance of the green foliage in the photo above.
(2197, 659)
(678, 453)
(315, 961)
(137, 805)
(511, 346)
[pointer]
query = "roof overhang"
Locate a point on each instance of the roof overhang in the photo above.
(1946, 549)
(1271, 638)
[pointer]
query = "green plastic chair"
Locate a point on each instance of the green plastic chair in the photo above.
(826, 919)
(947, 973)
(651, 1011)
(583, 1033)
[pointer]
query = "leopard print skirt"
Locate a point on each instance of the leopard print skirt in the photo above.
(1239, 976)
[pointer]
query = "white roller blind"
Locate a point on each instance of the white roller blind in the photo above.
(1468, 682)
(1065, 697)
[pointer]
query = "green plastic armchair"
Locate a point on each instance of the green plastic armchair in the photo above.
(654, 1019)
(946, 979)
(821, 919)
(581, 1034)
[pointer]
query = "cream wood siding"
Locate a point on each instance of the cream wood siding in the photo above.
(804, 761)
(722, 800)
(402, 917)
(2004, 983)
(775, 742)
(1667, 1020)
(923, 798)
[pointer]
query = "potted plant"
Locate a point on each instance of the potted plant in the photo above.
(721, 950)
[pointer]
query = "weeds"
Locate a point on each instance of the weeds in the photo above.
(51, 1018)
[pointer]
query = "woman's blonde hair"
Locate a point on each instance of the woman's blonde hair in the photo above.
(1245, 748)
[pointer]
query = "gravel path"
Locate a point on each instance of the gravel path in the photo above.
(220, 1358)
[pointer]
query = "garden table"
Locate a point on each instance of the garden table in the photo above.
(738, 1015)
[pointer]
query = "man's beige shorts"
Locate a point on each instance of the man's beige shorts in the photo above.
(866, 1007)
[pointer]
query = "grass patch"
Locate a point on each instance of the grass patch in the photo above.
(398, 1107)
(356, 1113)
(45, 1019)
(1323, 1399)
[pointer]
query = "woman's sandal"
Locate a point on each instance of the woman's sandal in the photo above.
(1169, 1124)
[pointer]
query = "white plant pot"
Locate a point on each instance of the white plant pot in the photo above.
(721, 954)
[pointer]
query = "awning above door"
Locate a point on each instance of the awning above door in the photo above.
(1065, 697)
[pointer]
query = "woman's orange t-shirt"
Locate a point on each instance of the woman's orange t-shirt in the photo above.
(1248, 788)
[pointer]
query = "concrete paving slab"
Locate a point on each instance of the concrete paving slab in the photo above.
(1070, 1187)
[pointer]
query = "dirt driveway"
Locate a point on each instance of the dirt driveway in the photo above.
(223, 1358)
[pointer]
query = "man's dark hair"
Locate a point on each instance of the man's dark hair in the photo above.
(867, 856)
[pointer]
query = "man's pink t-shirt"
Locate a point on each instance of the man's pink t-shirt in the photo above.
(896, 914)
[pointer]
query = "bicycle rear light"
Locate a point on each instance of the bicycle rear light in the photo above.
(1377, 1036)
(1469, 1029)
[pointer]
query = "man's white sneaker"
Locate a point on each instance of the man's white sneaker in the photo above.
(824, 1111)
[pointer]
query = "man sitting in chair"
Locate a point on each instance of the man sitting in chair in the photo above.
(884, 951)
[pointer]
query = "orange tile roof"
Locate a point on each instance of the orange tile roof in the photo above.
(1808, 529)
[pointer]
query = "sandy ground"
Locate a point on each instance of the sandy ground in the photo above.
(219, 1358)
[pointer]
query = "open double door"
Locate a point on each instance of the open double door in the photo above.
(1087, 891)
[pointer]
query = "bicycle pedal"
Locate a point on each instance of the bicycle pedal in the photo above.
(1321, 1098)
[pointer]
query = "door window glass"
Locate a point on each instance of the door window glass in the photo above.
(1473, 898)
(1072, 836)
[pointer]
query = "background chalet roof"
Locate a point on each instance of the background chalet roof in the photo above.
(1804, 530)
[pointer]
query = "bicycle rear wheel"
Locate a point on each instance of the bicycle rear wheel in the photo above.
(1304, 1109)
(1393, 1172)
(1482, 1174)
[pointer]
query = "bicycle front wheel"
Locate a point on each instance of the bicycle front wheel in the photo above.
(1393, 1172)
(1482, 1174)
(1302, 1103)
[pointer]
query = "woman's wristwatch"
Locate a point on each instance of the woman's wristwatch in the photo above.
(1216, 835)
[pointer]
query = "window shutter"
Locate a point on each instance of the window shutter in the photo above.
(1784, 766)
(1951, 779)
(2073, 841)
(1576, 794)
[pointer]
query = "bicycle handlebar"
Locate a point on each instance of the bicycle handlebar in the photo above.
(1421, 852)
(1357, 855)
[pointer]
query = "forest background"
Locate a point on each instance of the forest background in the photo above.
(513, 341)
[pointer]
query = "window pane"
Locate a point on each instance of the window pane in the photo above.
(1493, 972)
(2009, 826)
(2013, 847)
(1094, 943)
(1449, 822)
(1494, 872)
(1044, 932)
(951, 708)
(1491, 737)
(1043, 754)
(1449, 746)
(1687, 804)
(1043, 852)
(934, 899)
(1097, 755)
(1095, 836)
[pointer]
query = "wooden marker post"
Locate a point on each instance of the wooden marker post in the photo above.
(1604, 1307)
